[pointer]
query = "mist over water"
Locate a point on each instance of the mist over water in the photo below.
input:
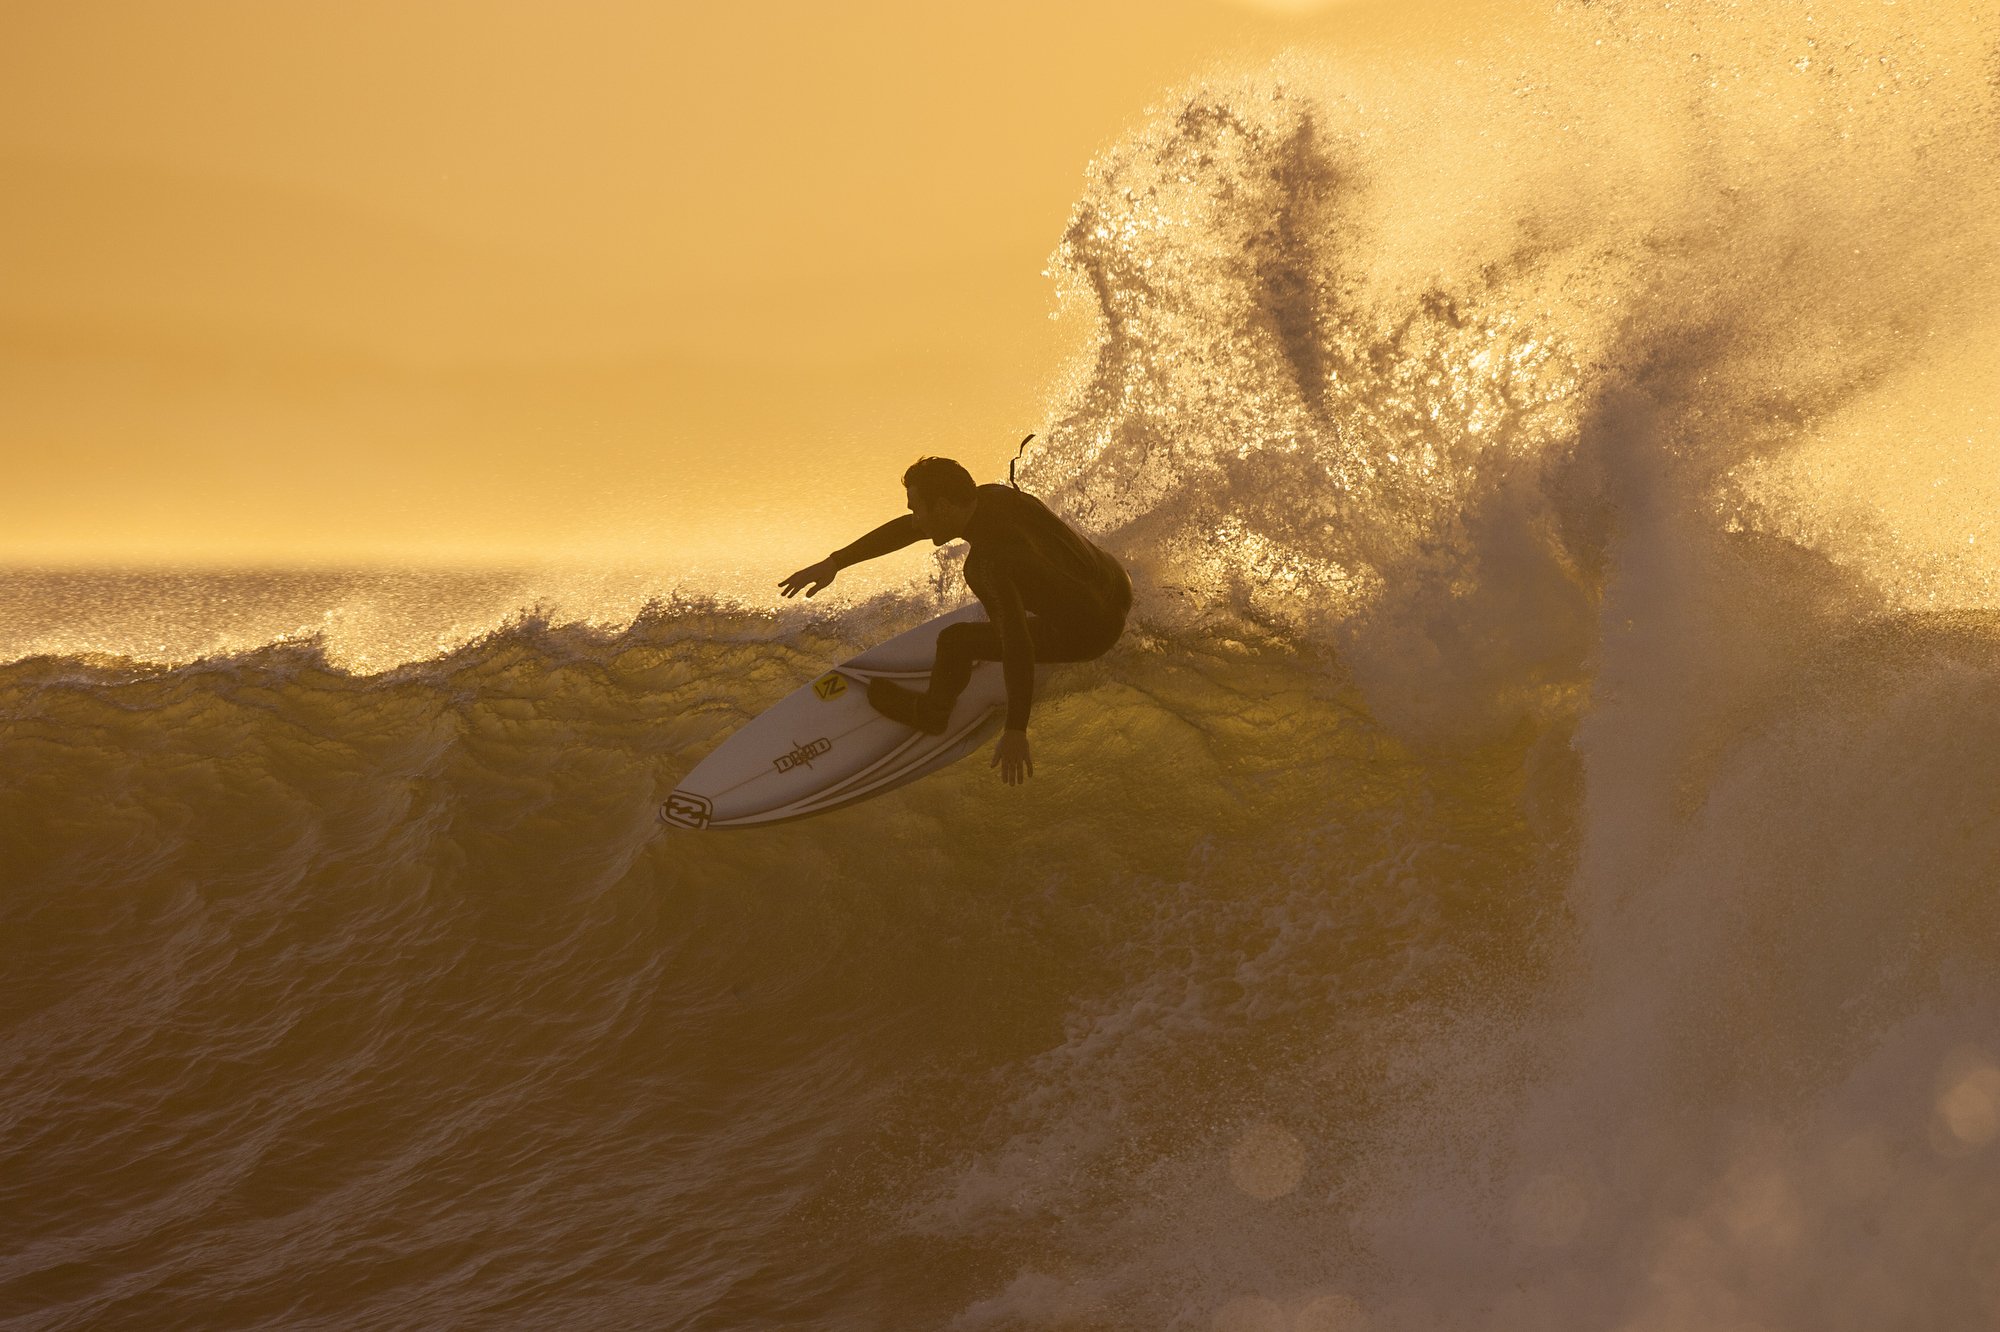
(1532, 864)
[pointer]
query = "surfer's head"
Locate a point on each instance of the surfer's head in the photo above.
(942, 495)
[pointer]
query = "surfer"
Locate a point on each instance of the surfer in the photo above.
(1049, 595)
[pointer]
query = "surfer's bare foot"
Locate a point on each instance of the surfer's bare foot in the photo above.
(908, 707)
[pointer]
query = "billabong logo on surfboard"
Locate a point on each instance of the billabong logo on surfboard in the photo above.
(803, 754)
(684, 809)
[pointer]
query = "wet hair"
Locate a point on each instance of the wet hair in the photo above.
(941, 479)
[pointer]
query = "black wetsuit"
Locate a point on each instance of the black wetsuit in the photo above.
(1049, 595)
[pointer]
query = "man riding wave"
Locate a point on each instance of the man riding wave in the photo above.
(1049, 594)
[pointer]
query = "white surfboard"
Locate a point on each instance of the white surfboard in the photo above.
(822, 746)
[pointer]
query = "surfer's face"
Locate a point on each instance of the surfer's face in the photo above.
(939, 519)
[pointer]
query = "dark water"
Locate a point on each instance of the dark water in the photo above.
(378, 1000)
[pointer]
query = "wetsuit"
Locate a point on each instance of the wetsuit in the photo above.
(1049, 595)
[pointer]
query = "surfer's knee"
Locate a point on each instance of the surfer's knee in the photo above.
(1107, 637)
(958, 640)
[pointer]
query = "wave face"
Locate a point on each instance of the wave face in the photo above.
(1531, 864)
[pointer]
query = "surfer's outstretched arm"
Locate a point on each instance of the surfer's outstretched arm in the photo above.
(890, 536)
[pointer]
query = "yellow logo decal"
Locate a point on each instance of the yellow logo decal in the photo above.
(831, 685)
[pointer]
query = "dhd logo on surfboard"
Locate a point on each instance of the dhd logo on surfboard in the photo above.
(802, 754)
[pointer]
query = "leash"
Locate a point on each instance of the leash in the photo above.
(1016, 458)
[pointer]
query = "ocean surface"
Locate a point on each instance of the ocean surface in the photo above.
(1533, 863)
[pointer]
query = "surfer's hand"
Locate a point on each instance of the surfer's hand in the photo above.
(1011, 757)
(818, 575)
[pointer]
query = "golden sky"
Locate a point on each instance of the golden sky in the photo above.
(487, 280)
